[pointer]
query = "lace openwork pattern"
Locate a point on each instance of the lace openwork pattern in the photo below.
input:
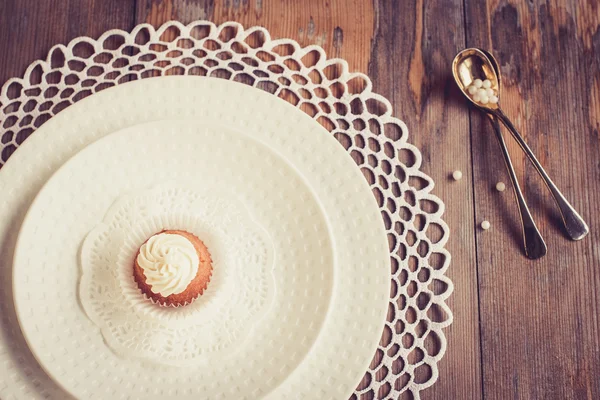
(343, 102)
(239, 291)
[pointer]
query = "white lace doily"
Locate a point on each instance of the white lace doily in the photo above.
(343, 102)
(240, 289)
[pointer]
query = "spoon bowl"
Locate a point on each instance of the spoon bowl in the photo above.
(471, 64)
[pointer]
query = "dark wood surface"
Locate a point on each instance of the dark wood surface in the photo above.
(522, 329)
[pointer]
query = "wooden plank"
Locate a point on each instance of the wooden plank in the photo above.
(399, 46)
(540, 329)
(29, 28)
(413, 48)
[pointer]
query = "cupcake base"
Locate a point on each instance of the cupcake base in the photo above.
(196, 286)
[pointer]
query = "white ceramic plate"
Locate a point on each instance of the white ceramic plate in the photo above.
(320, 350)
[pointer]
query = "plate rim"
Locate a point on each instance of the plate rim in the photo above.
(292, 109)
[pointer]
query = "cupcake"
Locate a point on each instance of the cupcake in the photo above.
(172, 268)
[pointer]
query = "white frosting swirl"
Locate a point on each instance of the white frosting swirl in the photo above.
(170, 262)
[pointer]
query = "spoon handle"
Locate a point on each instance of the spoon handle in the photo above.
(535, 247)
(574, 224)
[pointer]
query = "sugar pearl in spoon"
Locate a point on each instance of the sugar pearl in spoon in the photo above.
(478, 83)
(481, 92)
(487, 84)
(472, 89)
(476, 97)
(494, 99)
(484, 100)
(489, 92)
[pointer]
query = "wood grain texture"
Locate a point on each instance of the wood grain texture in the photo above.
(29, 28)
(539, 319)
(540, 333)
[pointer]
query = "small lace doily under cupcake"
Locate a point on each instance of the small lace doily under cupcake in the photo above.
(239, 292)
(413, 341)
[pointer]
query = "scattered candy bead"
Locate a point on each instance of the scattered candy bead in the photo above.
(457, 175)
(500, 186)
(487, 84)
(485, 225)
(478, 83)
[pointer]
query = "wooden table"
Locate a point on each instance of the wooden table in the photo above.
(522, 329)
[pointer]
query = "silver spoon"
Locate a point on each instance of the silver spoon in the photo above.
(533, 243)
(471, 64)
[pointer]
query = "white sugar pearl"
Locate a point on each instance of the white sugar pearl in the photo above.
(489, 92)
(493, 99)
(500, 186)
(485, 225)
(484, 100)
(478, 83)
(457, 175)
(487, 84)
(481, 92)
(476, 97)
(472, 89)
